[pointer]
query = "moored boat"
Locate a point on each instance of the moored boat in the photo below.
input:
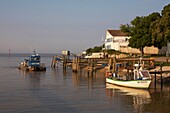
(32, 64)
(139, 78)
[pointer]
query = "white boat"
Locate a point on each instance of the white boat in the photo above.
(139, 78)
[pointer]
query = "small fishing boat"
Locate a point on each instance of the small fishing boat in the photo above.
(138, 78)
(32, 64)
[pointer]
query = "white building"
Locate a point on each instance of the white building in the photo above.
(116, 39)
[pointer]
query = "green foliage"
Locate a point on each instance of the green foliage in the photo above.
(94, 50)
(161, 28)
(111, 52)
(97, 49)
(88, 51)
(151, 30)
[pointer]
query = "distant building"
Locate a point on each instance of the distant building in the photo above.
(66, 53)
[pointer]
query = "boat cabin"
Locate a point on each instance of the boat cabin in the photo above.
(34, 60)
(140, 74)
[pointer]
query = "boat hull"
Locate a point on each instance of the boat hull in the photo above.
(26, 68)
(142, 84)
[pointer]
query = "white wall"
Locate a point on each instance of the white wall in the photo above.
(121, 38)
(115, 46)
(95, 55)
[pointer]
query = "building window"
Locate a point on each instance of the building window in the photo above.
(126, 40)
(123, 46)
(109, 40)
(108, 47)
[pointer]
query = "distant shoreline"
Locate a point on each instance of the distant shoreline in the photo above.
(27, 54)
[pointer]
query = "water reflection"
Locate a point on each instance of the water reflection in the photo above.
(34, 78)
(160, 100)
(76, 79)
(129, 91)
(83, 78)
(138, 97)
(55, 71)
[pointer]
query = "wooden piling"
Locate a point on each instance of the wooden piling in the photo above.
(155, 79)
(161, 78)
(53, 63)
(75, 64)
(114, 65)
(64, 63)
(90, 66)
(55, 60)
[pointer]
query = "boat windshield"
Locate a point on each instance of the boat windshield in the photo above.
(145, 73)
(35, 58)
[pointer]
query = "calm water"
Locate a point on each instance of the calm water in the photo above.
(55, 91)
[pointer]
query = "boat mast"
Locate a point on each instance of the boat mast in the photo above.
(34, 52)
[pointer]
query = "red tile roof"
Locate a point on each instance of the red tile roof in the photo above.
(117, 33)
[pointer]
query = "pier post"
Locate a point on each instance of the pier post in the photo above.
(75, 64)
(114, 64)
(110, 64)
(161, 77)
(64, 63)
(90, 66)
(53, 63)
(155, 79)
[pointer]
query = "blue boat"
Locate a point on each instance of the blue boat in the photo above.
(32, 64)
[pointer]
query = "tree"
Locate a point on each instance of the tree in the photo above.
(139, 31)
(93, 50)
(89, 50)
(97, 49)
(161, 28)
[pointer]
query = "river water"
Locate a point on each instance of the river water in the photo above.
(58, 91)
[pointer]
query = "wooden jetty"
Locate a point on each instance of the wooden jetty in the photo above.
(93, 64)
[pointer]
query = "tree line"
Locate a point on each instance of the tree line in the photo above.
(151, 30)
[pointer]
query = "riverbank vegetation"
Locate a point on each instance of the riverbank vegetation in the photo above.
(94, 50)
(100, 49)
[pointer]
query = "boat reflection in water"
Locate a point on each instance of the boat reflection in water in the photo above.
(138, 97)
(33, 78)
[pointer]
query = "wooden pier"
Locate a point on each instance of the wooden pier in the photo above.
(92, 64)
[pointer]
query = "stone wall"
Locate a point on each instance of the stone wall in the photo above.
(129, 50)
(147, 50)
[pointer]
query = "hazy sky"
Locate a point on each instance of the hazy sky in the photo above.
(50, 26)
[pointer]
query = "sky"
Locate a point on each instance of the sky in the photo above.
(51, 26)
